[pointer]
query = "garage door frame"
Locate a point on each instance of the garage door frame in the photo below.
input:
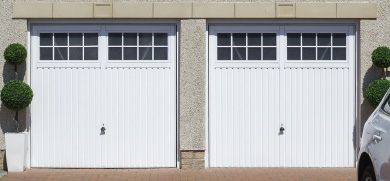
(291, 22)
(53, 22)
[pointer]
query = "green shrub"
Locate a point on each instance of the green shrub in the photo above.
(376, 90)
(16, 95)
(15, 54)
(381, 57)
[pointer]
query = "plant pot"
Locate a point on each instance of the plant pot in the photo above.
(16, 151)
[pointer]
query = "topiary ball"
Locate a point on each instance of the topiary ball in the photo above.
(376, 90)
(15, 54)
(16, 95)
(381, 57)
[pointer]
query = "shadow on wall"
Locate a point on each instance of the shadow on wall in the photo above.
(7, 115)
(373, 73)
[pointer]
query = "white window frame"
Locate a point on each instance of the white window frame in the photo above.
(139, 29)
(103, 31)
(64, 29)
(281, 46)
(214, 30)
(320, 63)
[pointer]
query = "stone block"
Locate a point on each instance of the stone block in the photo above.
(32, 10)
(102, 10)
(199, 155)
(186, 161)
(213, 10)
(72, 10)
(357, 10)
(316, 10)
(187, 155)
(285, 10)
(198, 162)
(132, 10)
(255, 10)
(172, 10)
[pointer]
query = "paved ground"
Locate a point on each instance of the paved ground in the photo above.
(176, 174)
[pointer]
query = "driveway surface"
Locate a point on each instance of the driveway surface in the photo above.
(176, 174)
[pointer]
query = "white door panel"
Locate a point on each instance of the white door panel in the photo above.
(246, 102)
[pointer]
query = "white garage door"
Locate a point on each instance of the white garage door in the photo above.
(264, 78)
(105, 96)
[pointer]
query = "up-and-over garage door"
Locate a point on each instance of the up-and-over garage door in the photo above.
(105, 96)
(281, 96)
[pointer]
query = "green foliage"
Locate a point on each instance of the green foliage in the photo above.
(16, 95)
(15, 54)
(376, 90)
(381, 57)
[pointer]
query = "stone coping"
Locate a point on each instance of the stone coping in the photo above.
(195, 10)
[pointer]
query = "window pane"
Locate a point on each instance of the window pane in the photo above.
(293, 39)
(46, 53)
(254, 53)
(223, 39)
(161, 39)
(293, 53)
(160, 53)
(309, 39)
(224, 54)
(239, 54)
(339, 54)
(60, 39)
(145, 53)
(90, 39)
(60, 53)
(254, 39)
(323, 39)
(323, 53)
(91, 53)
(75, 53)
(308, 53)
(145, 39)
(130, 39)
(115, 53)
(46, 39)
(130, 53)
(339, 39)
(269, 39)
(386, 107)
(115, 39)
(75, 39)
(239, 39)
(269, 53)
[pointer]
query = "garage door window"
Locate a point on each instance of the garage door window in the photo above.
(138, 46)
(68, 46)
(246, 46)
(316, 46)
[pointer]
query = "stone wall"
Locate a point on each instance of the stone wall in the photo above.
(192, 160)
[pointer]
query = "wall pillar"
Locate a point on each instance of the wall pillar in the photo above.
(192, 92)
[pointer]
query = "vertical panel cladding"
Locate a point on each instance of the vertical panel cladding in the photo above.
(134, 104)
(318, 117)
(243, 105)
(147, 110)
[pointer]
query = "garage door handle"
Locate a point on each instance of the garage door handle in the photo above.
(376, 137)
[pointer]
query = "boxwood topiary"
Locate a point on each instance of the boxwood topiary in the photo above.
(381, 57)
(16, 95)
(15, 54)
(376, 90)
